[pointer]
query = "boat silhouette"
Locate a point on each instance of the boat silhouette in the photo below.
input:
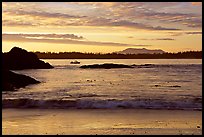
(75, 62)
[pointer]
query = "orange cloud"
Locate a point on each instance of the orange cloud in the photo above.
(55, 38)
(196, 3)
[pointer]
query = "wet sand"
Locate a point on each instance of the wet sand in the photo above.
(101, 122)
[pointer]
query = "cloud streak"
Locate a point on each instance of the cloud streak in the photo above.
(167, 39)
(98, 22)
(196, 3)
(41, 14)
(183, 33)
(104, 14)
(23, 38)
(64, 19)
(125, 23)
(194, 33)
(16, 23)
(190, 20)
(51, 36)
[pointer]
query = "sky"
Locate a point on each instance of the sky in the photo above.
(101, 26)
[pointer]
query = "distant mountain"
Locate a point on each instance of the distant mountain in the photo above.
(141, 51)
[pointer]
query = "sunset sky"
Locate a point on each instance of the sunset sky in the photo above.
(102, 26)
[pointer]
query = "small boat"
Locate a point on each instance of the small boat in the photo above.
(75, 62)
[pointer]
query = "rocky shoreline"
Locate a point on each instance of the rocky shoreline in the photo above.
(13, 81)
(19, 59)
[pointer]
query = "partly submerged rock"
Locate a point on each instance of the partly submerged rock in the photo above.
(106, 66)
(12, 81)
(17, 59)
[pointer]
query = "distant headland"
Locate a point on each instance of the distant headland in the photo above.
(130, 53)
(140, 51)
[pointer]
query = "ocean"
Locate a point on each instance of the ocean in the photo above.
(153, 84)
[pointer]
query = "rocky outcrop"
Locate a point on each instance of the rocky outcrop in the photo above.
(106, 66)
(12, 81)
(17, 59)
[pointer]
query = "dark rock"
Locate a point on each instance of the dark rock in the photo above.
(143, 66)
(156, 85)
(106, 66)
(176, 86)
(13, 81)
(17, 59)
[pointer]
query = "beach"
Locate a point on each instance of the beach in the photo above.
(101, 122)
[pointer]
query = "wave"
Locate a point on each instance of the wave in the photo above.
(102, 104)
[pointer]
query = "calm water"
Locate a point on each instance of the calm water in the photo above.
(165, 84)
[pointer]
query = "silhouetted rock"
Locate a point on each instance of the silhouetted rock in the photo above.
(176, 86)
(17, 59)
(106, 66)
(12, 81)
(143, 66)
